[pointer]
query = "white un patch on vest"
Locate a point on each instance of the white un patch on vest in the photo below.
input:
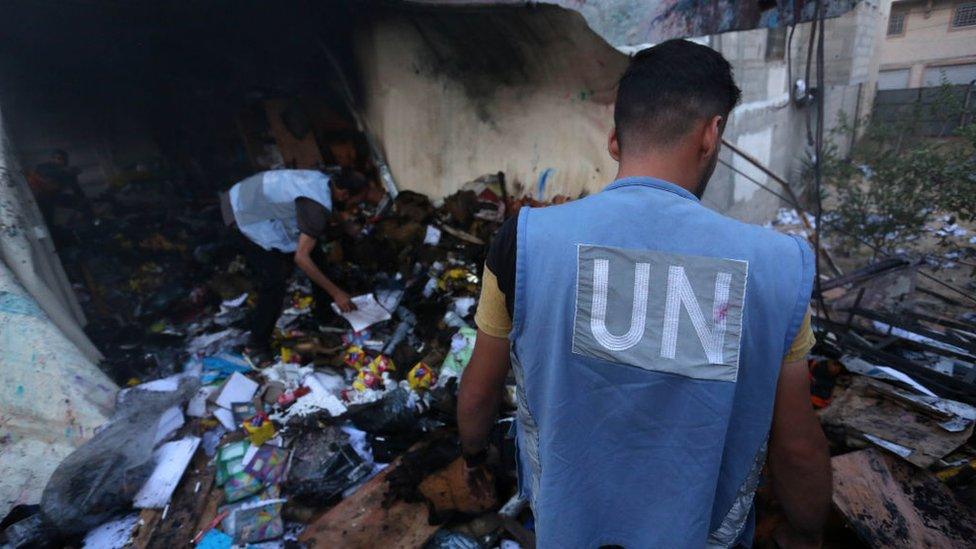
(658, 311)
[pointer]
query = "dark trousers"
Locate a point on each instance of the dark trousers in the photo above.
(272, 269)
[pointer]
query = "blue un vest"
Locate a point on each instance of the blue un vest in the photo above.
(647, 341)
(264, 205)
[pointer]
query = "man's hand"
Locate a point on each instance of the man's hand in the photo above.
(303, 258)
(343, 301)
(478, 481)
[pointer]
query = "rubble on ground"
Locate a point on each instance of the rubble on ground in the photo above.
(893, 376)
(349, 438)
(219, 453)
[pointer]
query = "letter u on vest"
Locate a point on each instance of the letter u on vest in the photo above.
(647, 309)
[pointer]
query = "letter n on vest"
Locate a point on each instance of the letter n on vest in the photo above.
(678, 314)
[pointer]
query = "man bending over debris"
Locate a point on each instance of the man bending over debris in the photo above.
(283, 213)
(658, 347)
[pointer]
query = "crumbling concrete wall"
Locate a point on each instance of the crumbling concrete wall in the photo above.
(454, 95)
(773, 129)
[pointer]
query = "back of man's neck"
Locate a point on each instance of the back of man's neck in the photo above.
(682, 177)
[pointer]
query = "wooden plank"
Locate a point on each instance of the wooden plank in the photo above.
(889, 503)
(861, 410)
(186, 506)
(148, 521)
(360, 521)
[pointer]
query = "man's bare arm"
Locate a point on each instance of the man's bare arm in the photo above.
(482, 386)
(799, 458)
(303, 258)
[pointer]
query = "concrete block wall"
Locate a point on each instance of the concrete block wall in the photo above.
(771, 128)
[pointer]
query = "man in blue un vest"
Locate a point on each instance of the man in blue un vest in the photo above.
(282, 214)
(658, 346)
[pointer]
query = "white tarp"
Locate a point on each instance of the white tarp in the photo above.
(53, 394)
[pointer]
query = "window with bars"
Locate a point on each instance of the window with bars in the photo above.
(965, 15)
(896, 23)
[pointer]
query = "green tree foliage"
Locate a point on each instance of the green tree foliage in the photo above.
(896, 178)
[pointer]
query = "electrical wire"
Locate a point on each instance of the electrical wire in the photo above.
(761, 185)
(818, 158)
(806, 73)
(789, 64)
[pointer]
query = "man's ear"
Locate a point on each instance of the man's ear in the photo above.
(711, 138)
(613, 146)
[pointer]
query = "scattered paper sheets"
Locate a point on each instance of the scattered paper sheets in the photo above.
(368, 312)
(172, 460)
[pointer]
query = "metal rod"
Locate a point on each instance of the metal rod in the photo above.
(793, 200)
(377, 151)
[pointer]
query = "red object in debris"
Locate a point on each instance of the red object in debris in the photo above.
(823, 377)
(257, 419)
(288, 398)
(213, 524)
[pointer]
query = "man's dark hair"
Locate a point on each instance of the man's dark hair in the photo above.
(350, 180)
(667, 89)
(342, 136)
(60, 153)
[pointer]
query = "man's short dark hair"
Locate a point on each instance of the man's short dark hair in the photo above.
(342, 136)
(667, 89)
(350, 180)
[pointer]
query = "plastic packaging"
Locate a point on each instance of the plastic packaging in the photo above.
(354, 357)
(323, 464)
(445, 539)
(421, 377)
(104, 474)
(397, 412)
(462, 346)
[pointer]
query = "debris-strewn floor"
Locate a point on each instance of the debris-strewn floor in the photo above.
(349, 439)
(894, 379)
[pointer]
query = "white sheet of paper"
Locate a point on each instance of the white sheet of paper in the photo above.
(237, 388)
(433, 236)
(114, 534)
(249, 454)
(389, 299)
(890, 446)
(197, 407)
(169, 421)
(236, 302)
(172, 460)
(368, 312)
(226, 418)
(865, 368)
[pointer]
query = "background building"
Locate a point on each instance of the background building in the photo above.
(926, 41)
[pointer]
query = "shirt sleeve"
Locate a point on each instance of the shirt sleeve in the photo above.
(492, 316)
(501, 261)
(803, 342)
(312, 217)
